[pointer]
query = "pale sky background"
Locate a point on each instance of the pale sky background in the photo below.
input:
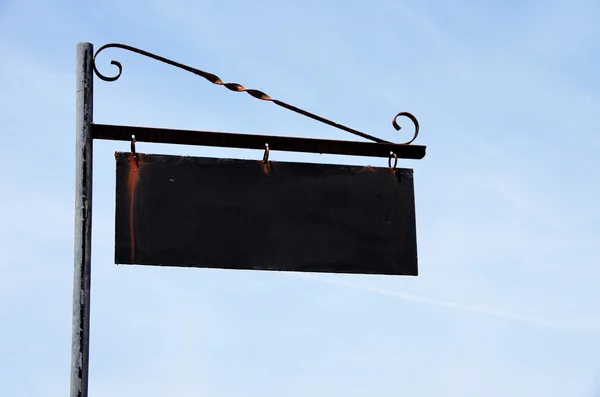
(507, 301)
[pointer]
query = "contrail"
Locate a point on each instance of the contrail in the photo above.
(452, 305)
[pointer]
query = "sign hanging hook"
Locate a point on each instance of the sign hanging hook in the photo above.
(133, 153)
(265, 160)
(395, 157)
(266, 155)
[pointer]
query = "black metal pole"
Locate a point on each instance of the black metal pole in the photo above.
(83, 222)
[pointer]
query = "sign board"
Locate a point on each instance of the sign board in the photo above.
(245, 214)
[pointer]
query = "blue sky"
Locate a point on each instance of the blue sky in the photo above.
(506, 303)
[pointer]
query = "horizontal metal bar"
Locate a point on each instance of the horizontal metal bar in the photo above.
(247, 141)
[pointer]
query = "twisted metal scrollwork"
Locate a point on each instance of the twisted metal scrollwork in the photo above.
(253, 92)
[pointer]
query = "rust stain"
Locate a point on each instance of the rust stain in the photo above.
(266, 165)
(134, 166)
(267, 168)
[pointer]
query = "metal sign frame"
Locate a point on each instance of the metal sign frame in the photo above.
(87, 131)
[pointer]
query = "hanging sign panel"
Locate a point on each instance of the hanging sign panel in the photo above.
(244, 214)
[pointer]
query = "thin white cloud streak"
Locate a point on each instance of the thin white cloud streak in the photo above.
(451, 305)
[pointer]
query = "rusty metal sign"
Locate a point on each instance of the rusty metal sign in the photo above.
(264, 215)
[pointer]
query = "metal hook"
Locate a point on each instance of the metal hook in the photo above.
(392, 154)
(133, 146)
(266, 165)
(266, 155)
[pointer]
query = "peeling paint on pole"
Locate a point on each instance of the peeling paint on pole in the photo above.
(83, 222)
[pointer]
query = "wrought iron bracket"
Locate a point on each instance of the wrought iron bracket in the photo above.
(380, 147)
(400, 230)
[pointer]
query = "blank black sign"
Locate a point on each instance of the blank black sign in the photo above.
(243, 214)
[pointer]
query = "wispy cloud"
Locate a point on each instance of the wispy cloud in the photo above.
(450, 304)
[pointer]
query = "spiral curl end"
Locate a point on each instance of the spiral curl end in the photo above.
(413, 119)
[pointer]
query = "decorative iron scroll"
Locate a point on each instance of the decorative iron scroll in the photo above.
(253, 92)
